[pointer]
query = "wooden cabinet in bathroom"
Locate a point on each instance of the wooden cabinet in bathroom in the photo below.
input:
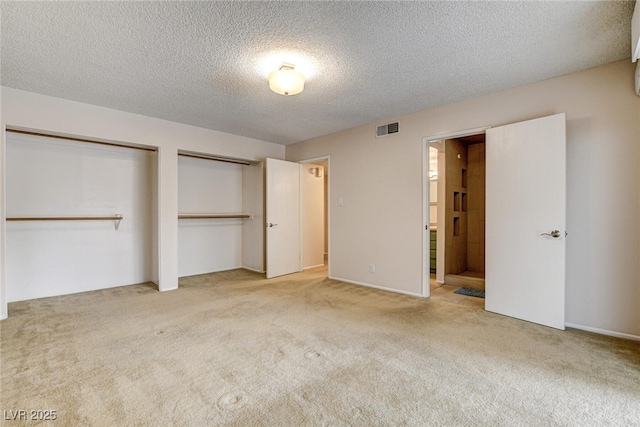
(433, 246)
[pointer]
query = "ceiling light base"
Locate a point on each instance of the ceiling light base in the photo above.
(286, 81)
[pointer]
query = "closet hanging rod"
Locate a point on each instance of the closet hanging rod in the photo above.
(214, 216)
(90, 141)
(66, 218)
(117, 218)
(215, 158)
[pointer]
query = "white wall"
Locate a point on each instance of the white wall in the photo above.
(312, 216)
(33, 111)
(208, 245)
(380, 183)
(52, 177)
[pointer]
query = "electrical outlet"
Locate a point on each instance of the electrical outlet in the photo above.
(372, 268)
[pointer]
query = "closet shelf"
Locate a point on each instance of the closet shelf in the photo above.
(215, 216)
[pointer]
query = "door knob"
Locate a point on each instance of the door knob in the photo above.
(554, 233)
(271, 225)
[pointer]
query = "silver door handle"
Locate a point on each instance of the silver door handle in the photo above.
(554, 233)
(271, 225)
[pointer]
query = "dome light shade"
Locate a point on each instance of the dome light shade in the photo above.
(286, 81)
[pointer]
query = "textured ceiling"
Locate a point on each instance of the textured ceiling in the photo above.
(206, 63)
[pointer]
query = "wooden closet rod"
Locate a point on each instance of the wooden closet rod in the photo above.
(214, 216)
(66, 218)
(215, 158)
(90, 141)
(117, 218)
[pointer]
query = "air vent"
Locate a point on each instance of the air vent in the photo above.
(388, 129)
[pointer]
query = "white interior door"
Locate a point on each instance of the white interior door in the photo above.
(525, 220)
(282, 217)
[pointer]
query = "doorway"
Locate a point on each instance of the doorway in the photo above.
(314, 210)
(525, 205)
(464, 213)
(296, 216)
(455, 183)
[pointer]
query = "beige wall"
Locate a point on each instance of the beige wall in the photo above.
(380, 181)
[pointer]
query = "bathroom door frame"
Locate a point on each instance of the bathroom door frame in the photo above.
(426, 241)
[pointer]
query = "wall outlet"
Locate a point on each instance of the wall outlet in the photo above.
(372, 268)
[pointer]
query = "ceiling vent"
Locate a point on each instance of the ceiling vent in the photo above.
(384, 130)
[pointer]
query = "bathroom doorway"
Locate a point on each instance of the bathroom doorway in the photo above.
(523, 215)
(456, 211)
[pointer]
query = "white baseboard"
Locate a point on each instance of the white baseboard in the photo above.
(382, 288)
(603, 332)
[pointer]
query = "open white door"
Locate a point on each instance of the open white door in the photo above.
(525, 220)
(282, 193)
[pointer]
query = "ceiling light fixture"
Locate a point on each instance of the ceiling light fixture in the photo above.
(286, 81)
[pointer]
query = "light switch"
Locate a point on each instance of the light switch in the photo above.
(340, 201)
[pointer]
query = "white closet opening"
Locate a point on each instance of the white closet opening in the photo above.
(220, 206)
(62, 180)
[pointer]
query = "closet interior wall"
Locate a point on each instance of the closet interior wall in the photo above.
(52, 177)
(216, 244)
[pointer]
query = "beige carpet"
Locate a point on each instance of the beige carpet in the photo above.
(233, 348)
